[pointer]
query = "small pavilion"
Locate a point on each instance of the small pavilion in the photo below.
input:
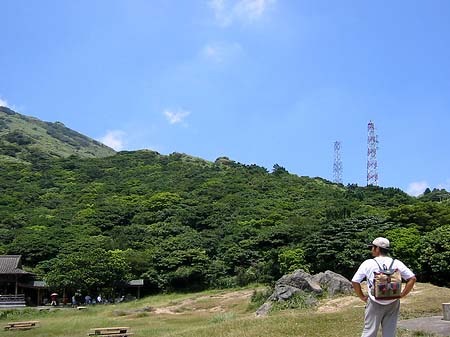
(10, 274)
(18, 286)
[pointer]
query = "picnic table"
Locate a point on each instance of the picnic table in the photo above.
(21, 325)
(111, 332)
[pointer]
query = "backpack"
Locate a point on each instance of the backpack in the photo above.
(387, 283)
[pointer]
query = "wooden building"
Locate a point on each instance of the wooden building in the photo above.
(18, 287)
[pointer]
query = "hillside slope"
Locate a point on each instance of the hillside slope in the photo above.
(181, 222)
(27, 139)
(186, 222)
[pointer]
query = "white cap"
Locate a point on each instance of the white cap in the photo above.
(381, 242)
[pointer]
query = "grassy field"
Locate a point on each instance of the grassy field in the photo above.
(221, 314)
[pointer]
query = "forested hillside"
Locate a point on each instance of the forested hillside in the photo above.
(27, 139)
(181, 222)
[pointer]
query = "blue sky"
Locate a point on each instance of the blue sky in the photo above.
(258, 81)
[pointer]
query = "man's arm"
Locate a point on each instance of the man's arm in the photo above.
(408, 287)
(359, 293)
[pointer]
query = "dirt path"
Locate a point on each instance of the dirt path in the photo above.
(340, 303)
(208, 303)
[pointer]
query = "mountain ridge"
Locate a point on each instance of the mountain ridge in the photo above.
(181, 222)
(26, 138)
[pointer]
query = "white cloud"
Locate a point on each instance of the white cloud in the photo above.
(228, 11)
(221, 13)
(417, 188)
(3, 102)
(175, 117)
(251, 9)
(114, 139)
(211, 51)
(221, 52)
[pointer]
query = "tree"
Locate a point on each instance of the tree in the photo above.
(435, 256)
(406, 246)
(292, 259)
(279, 170)
(87, 269)
(341, 245)
(425, 216)
(35, 244)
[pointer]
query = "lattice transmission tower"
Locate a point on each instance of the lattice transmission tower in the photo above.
(337, 165)
(372, 147)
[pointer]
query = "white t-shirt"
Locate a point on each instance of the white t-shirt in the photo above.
(367, 268)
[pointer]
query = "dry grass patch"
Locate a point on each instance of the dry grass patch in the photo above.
(226, 314)
(425, 300)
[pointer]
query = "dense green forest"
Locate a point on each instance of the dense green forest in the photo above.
(181, 222)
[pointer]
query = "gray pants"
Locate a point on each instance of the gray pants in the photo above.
(376, 314)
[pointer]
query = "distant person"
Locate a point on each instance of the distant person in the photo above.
(74, 301)
(383, 312)
(87, 299)
(54, 298)
(99, 299)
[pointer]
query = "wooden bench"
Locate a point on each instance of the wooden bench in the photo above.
(110, 332)
(21, 325)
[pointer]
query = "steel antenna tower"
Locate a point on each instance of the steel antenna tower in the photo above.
(337, 165)
(372, 147)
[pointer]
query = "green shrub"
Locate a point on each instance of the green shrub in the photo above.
(300, 300)
(258, 298)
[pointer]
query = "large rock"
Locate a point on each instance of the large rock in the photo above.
(291, 284)
(264, 309)
(333, 282)
(300, 281)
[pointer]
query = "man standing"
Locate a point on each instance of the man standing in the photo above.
(384, 312)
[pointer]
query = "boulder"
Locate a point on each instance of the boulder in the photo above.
(300, 281)
(334, 283)
(264, 309)
(291, 284)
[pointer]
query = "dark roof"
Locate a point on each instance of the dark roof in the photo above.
(11, 264)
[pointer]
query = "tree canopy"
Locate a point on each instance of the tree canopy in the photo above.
(182, 222)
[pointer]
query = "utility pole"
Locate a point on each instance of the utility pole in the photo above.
(372, 147)
(337, 165)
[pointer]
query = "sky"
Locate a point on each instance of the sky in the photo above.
(259, 81)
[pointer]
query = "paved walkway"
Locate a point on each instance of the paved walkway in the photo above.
(434, 324)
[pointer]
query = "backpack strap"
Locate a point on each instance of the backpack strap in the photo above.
(392, 263)
(378, 264)
(390, 267)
